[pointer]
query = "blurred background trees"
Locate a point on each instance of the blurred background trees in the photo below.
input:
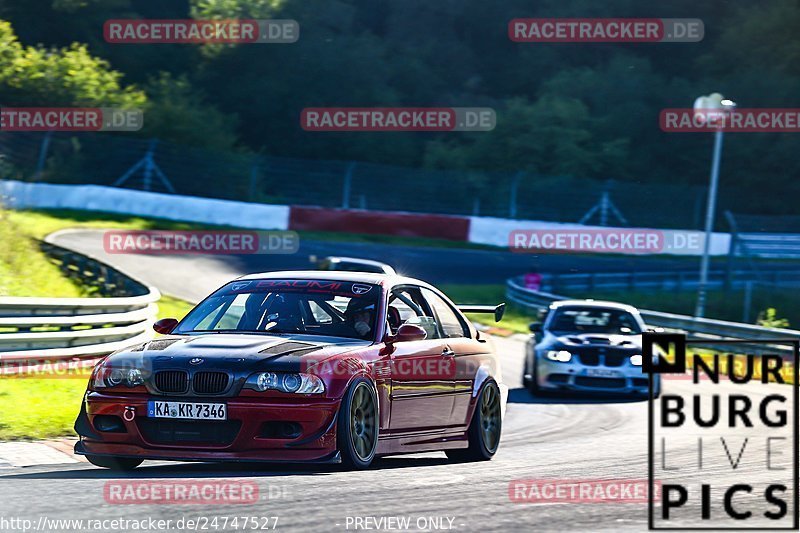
(581, 110)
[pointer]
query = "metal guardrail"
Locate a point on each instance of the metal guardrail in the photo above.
(699, 328)
(667, 281)
(767, 245)
(47, 329)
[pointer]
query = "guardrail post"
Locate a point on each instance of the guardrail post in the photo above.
(512, 198)
(748, 299)
(731, 250)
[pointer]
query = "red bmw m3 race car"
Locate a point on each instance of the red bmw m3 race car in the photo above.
(301, 366)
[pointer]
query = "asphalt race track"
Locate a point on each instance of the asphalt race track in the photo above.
(543, 438)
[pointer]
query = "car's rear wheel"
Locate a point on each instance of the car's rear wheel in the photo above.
(484, 428)
(114, 463)
(358, 425)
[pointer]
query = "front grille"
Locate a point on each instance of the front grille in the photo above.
(216, 433)
(589, 358)
(593, 357)
(172, 381)
(600, 383)
(210, 382)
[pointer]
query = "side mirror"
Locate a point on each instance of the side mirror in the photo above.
(165, 326)
(410, 332)
(535, 327)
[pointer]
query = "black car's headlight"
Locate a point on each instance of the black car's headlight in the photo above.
(105, 377)
(285, 382)
(562, 356)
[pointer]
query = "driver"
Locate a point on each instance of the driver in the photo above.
(360, 315)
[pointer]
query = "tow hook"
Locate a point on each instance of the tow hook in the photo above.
(129, 414)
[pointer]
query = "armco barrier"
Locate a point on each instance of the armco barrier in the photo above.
(699, 328)
(49, 329)
(22, 195)
(665, 281)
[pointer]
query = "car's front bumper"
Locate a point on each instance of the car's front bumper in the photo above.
(625, 379)
(249, 433)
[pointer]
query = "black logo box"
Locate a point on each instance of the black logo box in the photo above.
(679, 342)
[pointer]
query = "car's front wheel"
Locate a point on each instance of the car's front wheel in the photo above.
(114, 463)
(484, 429)
(358, 425)
(532, 384)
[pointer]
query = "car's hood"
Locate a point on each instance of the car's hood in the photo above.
(233, 352)
(595, 340)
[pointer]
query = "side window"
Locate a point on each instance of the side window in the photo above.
(413, 309)
(451, 325)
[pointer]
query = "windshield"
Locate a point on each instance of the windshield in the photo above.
(594, 320)
(330, 308)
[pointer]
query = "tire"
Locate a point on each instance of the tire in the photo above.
(122, 464)
(526, 382)
(533, 384)
(484, 428)
(357, 434)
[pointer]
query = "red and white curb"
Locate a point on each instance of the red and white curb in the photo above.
(50, 452)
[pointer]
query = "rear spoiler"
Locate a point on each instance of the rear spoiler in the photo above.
(498, 310)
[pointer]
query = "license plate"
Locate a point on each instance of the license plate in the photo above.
(187, 410)
(601, 373)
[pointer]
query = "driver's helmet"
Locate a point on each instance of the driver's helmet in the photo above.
(359, 305)
(283, 308)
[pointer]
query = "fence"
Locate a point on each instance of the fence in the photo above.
(47, 329)
(107, 159)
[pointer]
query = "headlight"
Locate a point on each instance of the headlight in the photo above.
(285, 382)
(105, 377)
(636, 360)
(561, 356)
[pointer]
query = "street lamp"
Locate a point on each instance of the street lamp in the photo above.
(710, 109)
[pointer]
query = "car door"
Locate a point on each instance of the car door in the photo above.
(421, 394)
(467, 354)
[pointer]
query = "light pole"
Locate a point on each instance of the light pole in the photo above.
(709, 108)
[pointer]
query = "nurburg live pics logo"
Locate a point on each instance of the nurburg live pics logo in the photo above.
(725, 454)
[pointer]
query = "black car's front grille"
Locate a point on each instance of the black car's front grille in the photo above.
(213, 433)
(600, 383)
(210, 382)
(172, 381)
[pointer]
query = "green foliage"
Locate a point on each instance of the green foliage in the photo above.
(769, 319)
(581, 110)
(70, 76)
(178, 112)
